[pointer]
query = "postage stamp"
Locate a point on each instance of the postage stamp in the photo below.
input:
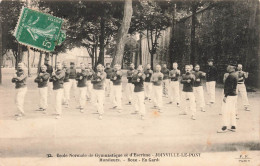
(39, 30)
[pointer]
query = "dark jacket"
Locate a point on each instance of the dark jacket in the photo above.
(73, 73)
(109, 72)
(57, 79)
(230, 85)
(174, 74)
(82, 78)
(118, 76)
(148, 74)
(98, 81)
(187, 87)
(212, 74)
(130, 74)
(165, 72)
(198, 75)
(42, 79)
(67, 75)
(139, 86)
(20, 80)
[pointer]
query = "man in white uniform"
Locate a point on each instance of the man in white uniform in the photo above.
(188, 99)
(19, 79)
(241, 88)
(174, 88)
(157, 79)
(116, 92)
(98, 81)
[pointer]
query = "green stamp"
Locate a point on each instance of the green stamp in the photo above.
(39, 30)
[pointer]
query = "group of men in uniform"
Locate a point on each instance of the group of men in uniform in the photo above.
(142, 84)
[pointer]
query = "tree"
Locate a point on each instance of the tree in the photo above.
(150, 18)
(123, 31)
(91, 24)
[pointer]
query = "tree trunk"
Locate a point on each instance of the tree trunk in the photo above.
(192, 41)
(39, 63)
(102, 42)
(140, 48)
(1, 52)
(95, 55)
(19, 57)
(28, 60)
(56, 57)
(123, 30)
(152, 60)
(252, 29)
(33, 58)
(172, 38)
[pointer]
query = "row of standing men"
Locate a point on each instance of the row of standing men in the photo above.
(141, 85)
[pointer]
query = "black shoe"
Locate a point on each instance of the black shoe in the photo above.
(233, 128)
(223, 130)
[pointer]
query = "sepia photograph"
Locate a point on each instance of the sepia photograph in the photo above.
(129, 82)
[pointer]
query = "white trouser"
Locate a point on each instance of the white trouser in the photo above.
(139, 102)
(188, 102)
(19, 98)
(199, 95)
(66, 97)
(89, 89)
(116, 95)
(148, 89)
(174, 91)
(129, 91)
(82, 96)
(242, 89)
(157, 96)
(58, 100)
(50, 88)
(73, 85)
(211, 90)
(99, 96)
(229, 111)
(108, 86)
(43, 92)
(165, 84)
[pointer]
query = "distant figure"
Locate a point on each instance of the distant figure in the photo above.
(174, 88)
(147, 82)
(165, 82)
(138, 81)
(188, 98)
(19, 79)
(229, 100)
(211, 78)
(49, 67)
(129, 85)
(241, 88)
(98, 81)
(108, 84)
(157, 79)
(42, 80)
(57, 80)
(116, 91)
